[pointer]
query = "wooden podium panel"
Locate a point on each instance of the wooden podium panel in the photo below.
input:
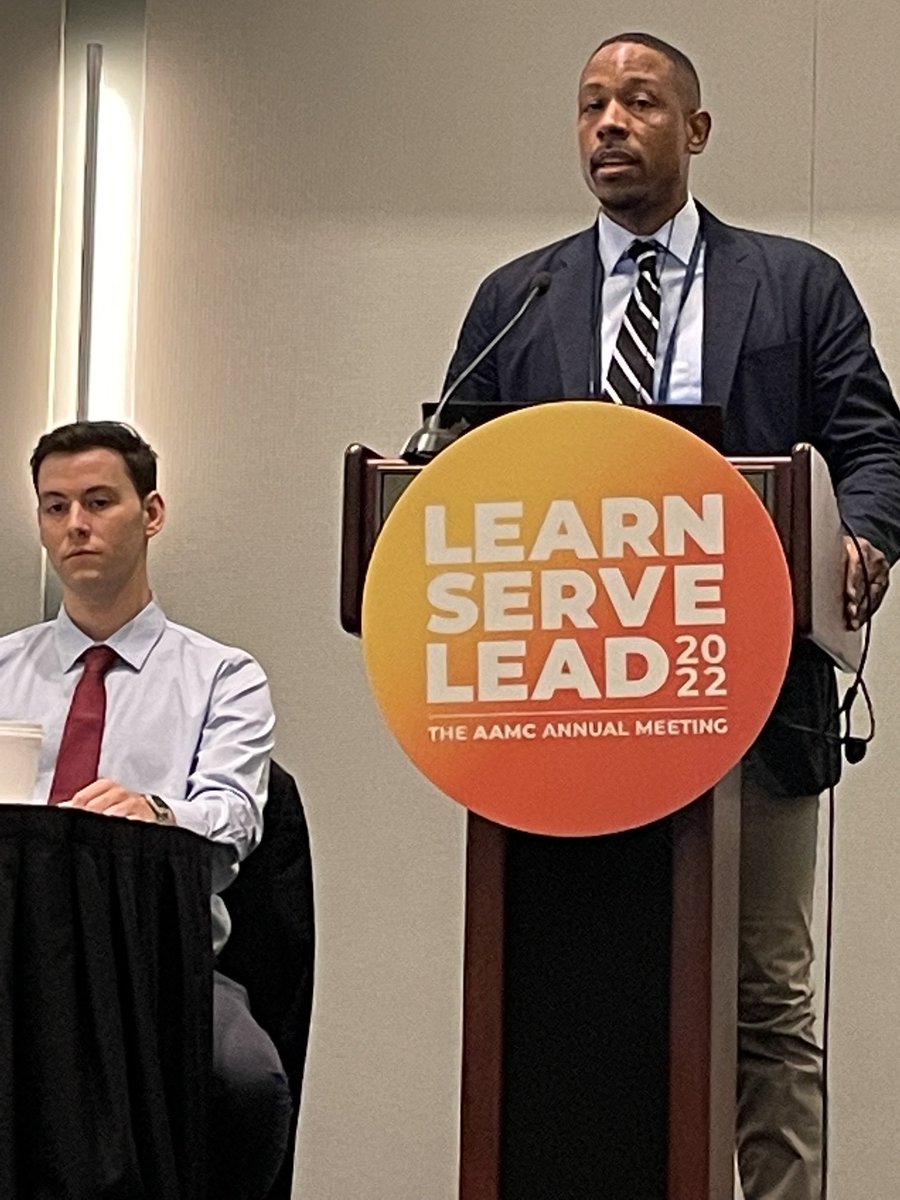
(796, 490)
(600, 1010)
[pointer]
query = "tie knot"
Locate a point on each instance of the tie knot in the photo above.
(98, 659)
(644, 254)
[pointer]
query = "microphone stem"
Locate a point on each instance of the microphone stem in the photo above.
(434, 420)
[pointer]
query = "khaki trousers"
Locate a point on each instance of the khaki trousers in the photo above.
(779, 1111)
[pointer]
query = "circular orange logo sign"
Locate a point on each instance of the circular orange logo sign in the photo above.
(577, 619)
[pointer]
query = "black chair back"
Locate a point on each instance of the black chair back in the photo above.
(271, 949)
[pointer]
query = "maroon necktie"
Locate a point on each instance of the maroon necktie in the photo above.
(79, 750)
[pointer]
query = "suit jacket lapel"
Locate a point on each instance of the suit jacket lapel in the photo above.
(571, 305)
(729, 286)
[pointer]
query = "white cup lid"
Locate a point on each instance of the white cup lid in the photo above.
(29, 728)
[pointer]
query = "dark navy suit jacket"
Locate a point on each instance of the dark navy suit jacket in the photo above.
(787, 354)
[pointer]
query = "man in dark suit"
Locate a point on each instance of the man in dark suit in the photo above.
(769, 329)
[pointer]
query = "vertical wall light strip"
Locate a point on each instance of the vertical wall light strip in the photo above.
(98, 204)
(116, 224)
(50, 591)
(57, 222)
(88, 236)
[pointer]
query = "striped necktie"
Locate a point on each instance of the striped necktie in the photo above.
(630, 376)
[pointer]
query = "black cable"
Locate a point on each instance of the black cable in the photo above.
(826, 992)
(854, 747)
(852, 752)
(867, 592)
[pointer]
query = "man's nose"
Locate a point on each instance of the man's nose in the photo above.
(77, 520)
(612, 120)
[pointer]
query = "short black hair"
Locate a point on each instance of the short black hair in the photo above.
(139, 457)
(684, 68)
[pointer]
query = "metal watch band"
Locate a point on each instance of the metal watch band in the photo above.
(161, 810)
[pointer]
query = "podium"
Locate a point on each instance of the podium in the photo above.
(600, 976)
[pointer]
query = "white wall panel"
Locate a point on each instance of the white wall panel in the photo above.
(857, 217)
(29, 82)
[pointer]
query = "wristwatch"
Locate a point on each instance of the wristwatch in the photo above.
(161, 810)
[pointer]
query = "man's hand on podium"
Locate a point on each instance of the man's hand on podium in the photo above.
(865, 583)
(107, 796)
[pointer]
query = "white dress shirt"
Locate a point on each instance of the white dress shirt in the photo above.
(187, 719)
(675, 241)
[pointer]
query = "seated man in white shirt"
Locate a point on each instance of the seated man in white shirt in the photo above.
(185, 738)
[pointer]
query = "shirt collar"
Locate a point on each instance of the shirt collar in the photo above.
(133, 642)
(678, 235)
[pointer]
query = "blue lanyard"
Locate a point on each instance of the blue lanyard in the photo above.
(665, 379)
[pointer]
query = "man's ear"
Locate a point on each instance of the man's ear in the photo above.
(154, 513)
(40, 525)
(699, 125)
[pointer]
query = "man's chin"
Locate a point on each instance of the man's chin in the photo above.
(86, 582)
(617, 199)
(75, 569)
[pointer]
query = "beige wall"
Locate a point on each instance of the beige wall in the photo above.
(857, 216)
(324, 184)
(29, 89)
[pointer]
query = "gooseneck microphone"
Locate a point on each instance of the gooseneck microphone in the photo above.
(434, 436)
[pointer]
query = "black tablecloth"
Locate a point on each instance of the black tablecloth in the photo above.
(105, 1007)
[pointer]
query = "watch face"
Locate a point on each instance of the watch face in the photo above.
(160, 808)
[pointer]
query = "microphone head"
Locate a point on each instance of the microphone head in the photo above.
(431, 439)
(541, 282)
(855, 750)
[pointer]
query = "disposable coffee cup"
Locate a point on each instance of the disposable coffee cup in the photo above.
(20, 750)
